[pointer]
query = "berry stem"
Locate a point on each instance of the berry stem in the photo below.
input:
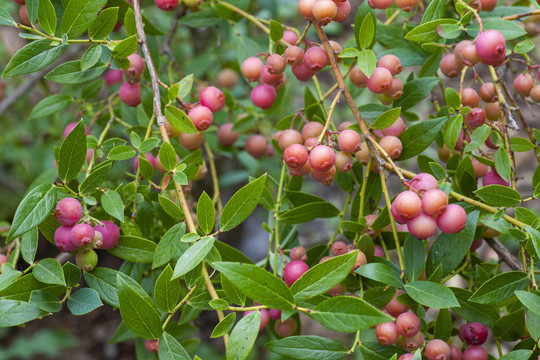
(53, 38)
(276, 223)
(355, 343)
(518, 16)
(343, 213)
(329, 117)
(216, 198)
(177, 307)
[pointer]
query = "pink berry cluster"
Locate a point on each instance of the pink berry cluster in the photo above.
(324, 11)
(405, 5)
(383, 81)
(524, 85)
(424, 208)
(167, 5)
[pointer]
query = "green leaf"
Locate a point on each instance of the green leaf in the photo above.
(179, 120)
(72, 154)
(450, 31)
(121, 152)
(96, 177)
(125, 48)
(166, 291)
(45, 301)
(529, 300)
(443, 325)
(206, 215)
(347, 314)
(224, 326)
(535, 238)
(324, 276)
(33, 209)
(470, 311)
(29, 245)
(167, 156)
(523, 47)
(427, 31)
(434, 11)
(415, 91)
(276, 31)
(450, 95)
(47, 16)
(49, 271)
(413, 257)
(517, 355)
(71, 72)
(137, 309)
(367, 32)
(170, 349)
(509, 29)
(348, 53)
(243, 336)
(382, 273)
(113, 205)
(367, 61)
(5, 18)
(308, 347)
(478, 137)
(91, 57)
(499, 195)
(83, 301)
(78, 15)
(134, 248)
(219, 304)
(193, 256)
(241, 204)
(33, 57)
(386, 119)
(170, 207)
(200, 19)
(103, 280)
(431, 294)
(72, 274)
(169, 245)
(510, 327)
(308, 212)
(418, 137)
(520, 144)
(104, 24)
(502, 164)
(258, 284)
(452, 131)
(185, 86)
(500, 287)
(14, 312)
(51, 105)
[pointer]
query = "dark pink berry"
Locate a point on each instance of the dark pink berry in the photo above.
(70, 127)
(264, 318)
(167, 5)
(493, 178)
(62, 239)
(82, 235)
(315, 58)
(110, 233)
(452, 220)
(293, 271)
(113, 77)
(263, 96)
(152, 345)
(201, 116)
(130, 94)
(474, 333)
(490, 46)
(212, 98)
(408, 324)
(295, 155)
(475, 353)
(386, 333)
(274, 314)
(68, 211)
(322, 158)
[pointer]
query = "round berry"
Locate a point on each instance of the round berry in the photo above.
(113, 77)
(455, 353)
(263, 96)
(475, 353)
(392, 146)
(474, 333)
(290, 37)
(293, 271)
(413, 343)
(407, 205)
(167, 5)
(422, 226)
(152, 345)
(324, 11)
(378, 251)
(452, 220)
(391, 63)
(264, 318)
(130, 94)
(493, 178)
(361, 260)
(523, 84)
(476, 117)
(406, 5)
(23, 15)
(86, 260)
(68, 211)
(294, 55)
(322, 158)
(488, 93)
(274, 314)
(437, 350)
(380, 80)
(324, 177)
(535, 93)
(275, 64)
(191, 141)
(349, 141)
(386, 333)
(289, 137)
(338, 248)
(394, 307)
(256, 146)
(300, 171)
(82, 235)
(62, 239)
(357, 77)
(424, 182)
(212, 98)
(396, 129)
(488, 5)
(227, 78)
(395, 91)
(315, 57)
(312, 129)
(434, 202)
(136, 68)
(149, 157)
(344, 162)
(408, 324)
(450, 66)
(302, 72)
(407, 356)
(343, 11)
(110, 233)
(252, 68)
(226, 135)
(305, 8)
(298, 253)
(380, 4)
(491, 46)
(470, 98)
(69, 127)
(201, 116)
(285, 328)
(295, 155)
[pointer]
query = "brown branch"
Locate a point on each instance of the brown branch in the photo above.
(504, 254)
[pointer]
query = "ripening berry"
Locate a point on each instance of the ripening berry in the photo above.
(458, 49)
(345, 125)
(469, 56)
(386, 333)
(344, 162)
(535, 93)
(290, 37)
(413, 343)
(293, 271)
(227, 78)
(20, 2)
(264, 318)
(23, 15)
(191, 141)
(275, 64)
(437, 350)
(488, 5)
(201, 116)
(298, 253)
(392, 146)
(149, 157)
(322, 158)
(357, 77)
(488, 92)
(302, 72)
(62, 239)
(480, 170)
(315, 57)
(338, 248)
(452, 220)
(396, 129)
(422, 226)
(450, 66)
(305, 8)
(408, 324)
(324, 11)
(455, 353)
(406, 5)
(407, 205)
(152, 345)
(271, 79)
(394, 307)
(113, 77)
(86, 260)
(212, 98)
(378, 251)
(523, 84)
(395, 91)
(252, 68)
(470, 98)
(167, 5)
(136, 68)
(324, 177)
(68, 211)
(380, 80)
(459, 143)
(343, 11)
(226, 135)
(362, 155)
(349, 141)
(289, 137)
(434, 202)
(82, 235)
(491, 46)
(488, 141)
(312, 129)
(256, 146)
(493, 178)
(274, 314)
(396, 215)
(263, 96)
(380, 4)
(130, 94)
(301, 171)
(361, 260)
(475, 353)
(110, 233)
(285, 328)
(391, 63)
(476, 117)
(294, 55)
(473, 333)
(295, 155)
(423, 182)
(69, 127)
(385, 100)
(407, 356)
(310, 143)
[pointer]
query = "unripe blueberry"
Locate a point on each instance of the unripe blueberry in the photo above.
(167, 5)
(470, 98)
(110, 233)
(424, 182)
(344, 162)
(343, 11)
(488, 141)
(406, 5)
(391, 63)
(337, 290)
(475, 353)
(82, 235)
(271, 79)
(201, 116)
(130, 94)
(68, 211)
(380, 80)
(338, 248)
(437, 350)
(535, 93)
(23, 15)
(322, 158)
(275, 64)
(361, 260)
(86, 260)
(493, 178)
(392, 146)
(315, 57)
(408, 324)
(149, 157)
(252, 68)
(394, 307)
(413, 343)
(378, 251)
(407, 356)
(263, 96)
(434, 202)
(407, 205)
(289, 137)
(452, 220)
(274, 314)
(226, 135)
(324, 177)
(357, 77)
(152, 345)
(450, 66)
(422, 226)
(395, 91)
(285, 328)
(469, 56)
(302, 72)
(227, 78)
(3, 259)
(113, 77)
(491, 46)
(386, 333)
(191, 141)
(312, 129)
(523, 84)
(473, 333)
(455, 353)
(300, 171)
(212, 98)
(396, 129)
(476, 117)
(362, 155)
(136, 68)
(345, 125)
(295, 155)
(256, 146)
(293, 271)
(289, 37)
(62, 239)
(264, 318)
(305, 8)
(298, 253)
(294, 55)
(488, 5)
(488, 92)
(458, 50)
(380, 4)
(70, 127)
(324, 11)
(349, 141)
(459, 143)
